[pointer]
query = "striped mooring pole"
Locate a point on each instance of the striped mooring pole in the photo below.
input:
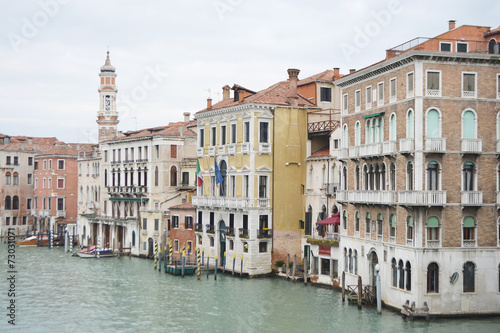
(156, 254)
(215, 270)
(170, 253)
(159, 258)
(241, 271)
(51, 236)
(71, 243)
(234, 262)
(98, 250)
(224, 263)
(199, 263)
(208, 264)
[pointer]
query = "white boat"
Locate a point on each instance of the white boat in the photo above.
(91, 253)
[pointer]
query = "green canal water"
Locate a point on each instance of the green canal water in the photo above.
(55, 292)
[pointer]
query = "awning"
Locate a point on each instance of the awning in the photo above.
(334, 219)
(374, 115)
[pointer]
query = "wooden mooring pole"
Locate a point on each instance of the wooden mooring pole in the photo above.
(287, 265)
(360, 292)
(343, 286)
(294, 266)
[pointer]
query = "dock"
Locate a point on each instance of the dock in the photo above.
(412, 312)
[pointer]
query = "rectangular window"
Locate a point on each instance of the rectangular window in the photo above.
(173, 151)
(25, 219)
(462, 47)
(262, 186)
(14, 220)
(144, 223)
(50, 165)
(60, 164)
(380, 94)
(223, 135)
(445, 47)
(369, 96)
(132, 154)
(30, 160)
(157, 150)
(44, 163)
(344, 103)
(176, 245)
(202, 137)
(232, 186)
(49, 182)
(146, 153)
(393, 90)
(410, 85)
(29, 178)
(28, 203)
(105, 156)
(16, 160)
(139, 153)
(498, 86)
(157, 224)
(246, 186)
(214, 136)
(188, 222)
(433, 83)
(326, 94)
(469, 85)
(7, 220)
(233, 133)
(264, 132)
(60, 203)
(175, 221)
(60, 182)
(357, 100)
(185, 178)
(246, 131)
(262, 247)
(36, 165)
(7, 160)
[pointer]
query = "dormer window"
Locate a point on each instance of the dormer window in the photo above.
(326, 94)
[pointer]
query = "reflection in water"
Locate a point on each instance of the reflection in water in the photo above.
(61, 293)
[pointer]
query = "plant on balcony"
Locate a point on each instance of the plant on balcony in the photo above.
(279, 263)
(326, 242)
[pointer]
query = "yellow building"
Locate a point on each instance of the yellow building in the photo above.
(255, 209)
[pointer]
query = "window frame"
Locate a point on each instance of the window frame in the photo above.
(393, 97)
(445, 43)
(410, 93)
(461, 43)
(345, 103)
(357, 100)
(61, 164)
(380, 89)
(369, 97)
(325, 94)
(433, 92)
(467, 93)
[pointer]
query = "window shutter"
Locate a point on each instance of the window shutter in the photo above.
(433, 222)
(469, 222)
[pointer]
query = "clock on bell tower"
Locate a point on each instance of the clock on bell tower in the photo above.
(107, 116)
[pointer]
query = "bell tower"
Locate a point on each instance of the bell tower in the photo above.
(107, 116)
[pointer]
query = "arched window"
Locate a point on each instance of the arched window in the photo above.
(8, 178)
(408, 276)
(498, 177)
(469, 125)
(350, 261)
(367, 223)
(392, 227)
(432, 176)
(8, 203)
(392, 177)
(156, 175)
(368, 131)
(380, 225)
(433, 125)
(346, 261)
(468, 176)
(222, 186)
(410, 126)
(377, 177)
(344, 220)
(173, 176)
(344, 182)
(106, 177)
(433, 278)
(382, 177)
(409, 229)
(392, 128)
(394, 268)
(491, 46)
(357, 176)
(357, 134)
(345, 144)
(355, 261)
(15, 178)
(133, 238)
(366, 178)
(401, 274)
(15, 202)
(469, 234)
(433, 232)
(469, 277)
(409, 176)
(356, 222)
(371, 177)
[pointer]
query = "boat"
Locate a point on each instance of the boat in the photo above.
(35, 240)
(92, 252)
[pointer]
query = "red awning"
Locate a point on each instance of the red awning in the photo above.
(334, 219)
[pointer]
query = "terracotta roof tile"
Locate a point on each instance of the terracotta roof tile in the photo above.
(326, 76)
(323, 152)
(186, 205)
(60, 150)
(172, 129)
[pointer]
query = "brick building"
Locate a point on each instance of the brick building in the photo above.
(421, 173)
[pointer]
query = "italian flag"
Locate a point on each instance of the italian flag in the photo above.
(199, 179)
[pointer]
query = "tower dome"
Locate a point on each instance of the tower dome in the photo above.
(107, 66)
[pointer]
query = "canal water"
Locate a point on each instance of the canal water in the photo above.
(55, 292)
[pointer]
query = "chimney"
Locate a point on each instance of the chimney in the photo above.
(451, 24)
(225, 92)
(292, 97)
(186, 116)
(336, 73)
(352, 70)
(209, 103)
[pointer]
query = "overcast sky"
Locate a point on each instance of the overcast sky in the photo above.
(170, 55)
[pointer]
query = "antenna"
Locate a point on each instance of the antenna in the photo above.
(209, 93)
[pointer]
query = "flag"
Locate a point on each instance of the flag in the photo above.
(199, 178)
(218, 176)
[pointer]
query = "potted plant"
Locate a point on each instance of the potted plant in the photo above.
(279, 264)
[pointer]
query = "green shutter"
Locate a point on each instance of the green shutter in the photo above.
(393, 221)
(410, 133)
(433, 222)
(469, 125)
(409, 220)
(380, 217)
(357, 214)
(432, 124)
(469, 222)
(345, 213)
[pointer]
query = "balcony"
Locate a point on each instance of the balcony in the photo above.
(389, 147)
(231, 149)
(199, 152)
(221, 149)
(263, 203)
(422, 198)
(370, 149)
(243, 233)
(469, 243)
(472, 198)
(220, 202)
(369, 197)
(406, 145)
(229, 231)
(433, 92)
(264, 148)
(33, 212)
(210, 229)
(211, 151)
(472, 146)
(198, 227)
(354, 152)
(435, 145)
(432, 243)
(264, 233)
(343, 154)
(245, 148)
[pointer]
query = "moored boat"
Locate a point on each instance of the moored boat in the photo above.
(34, 241)
(92, 253)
